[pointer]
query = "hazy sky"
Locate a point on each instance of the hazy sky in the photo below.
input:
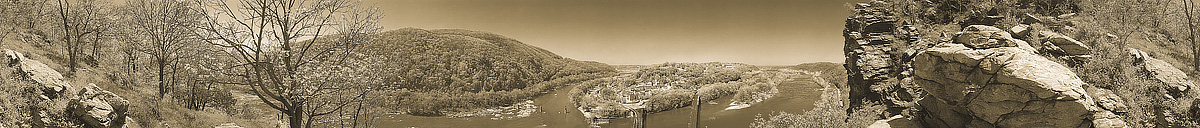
(760, 32)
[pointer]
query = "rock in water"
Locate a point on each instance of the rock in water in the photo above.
(1003, 87)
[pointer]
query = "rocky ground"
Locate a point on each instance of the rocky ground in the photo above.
(1011, 66)
(991, 81)
(57, 103)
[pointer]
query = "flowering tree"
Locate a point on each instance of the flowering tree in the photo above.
(298, 56)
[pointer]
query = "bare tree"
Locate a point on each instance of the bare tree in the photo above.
(82, 21)
(1187, 7)
(22, 13)
(8, 10)
(296, 55)
(166, 26)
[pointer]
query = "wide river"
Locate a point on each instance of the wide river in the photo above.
(555, 111)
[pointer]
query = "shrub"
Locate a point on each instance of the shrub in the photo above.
(830, 112)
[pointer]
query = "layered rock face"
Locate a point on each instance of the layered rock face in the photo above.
(876, 64)
(58, 104)
(1005, 86)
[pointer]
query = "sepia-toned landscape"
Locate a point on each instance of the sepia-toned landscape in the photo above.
(599, 63)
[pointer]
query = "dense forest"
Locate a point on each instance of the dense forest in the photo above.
(469, 61)
(440, 71)
(256, 63)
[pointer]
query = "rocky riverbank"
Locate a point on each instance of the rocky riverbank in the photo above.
(673, 85)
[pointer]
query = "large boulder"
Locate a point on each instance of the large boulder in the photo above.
(1003, 87)
(50, 81)
(984, 37)
(1020, 30)
(99, 108)
(1063, 44)
(1172, 78)
(58, 104)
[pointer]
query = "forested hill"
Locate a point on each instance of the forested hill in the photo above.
(471, 61)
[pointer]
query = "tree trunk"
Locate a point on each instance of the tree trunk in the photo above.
(308, 121)
(295, 120)
(194, 100)
(71, 53)
(1192, 36)
(357, 111)
(162, 83)
(63, 8)
(96, 50)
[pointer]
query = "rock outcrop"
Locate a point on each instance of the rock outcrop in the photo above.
(1062, 44)
(58, 104)
(984, 37)
(50, 81)
(1020, 30)
(1172, 84)
(97, 107)
(897, 121)
(876, 67)
(1003, 87)
(1174, 80)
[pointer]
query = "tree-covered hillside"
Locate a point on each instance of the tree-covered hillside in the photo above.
(471, 61)
(437, 72)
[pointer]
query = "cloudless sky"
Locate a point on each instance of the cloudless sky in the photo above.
(760, 32)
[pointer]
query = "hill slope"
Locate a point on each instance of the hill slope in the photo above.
(471, 61)
(447, 70)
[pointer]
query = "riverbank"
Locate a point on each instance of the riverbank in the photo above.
(796, 95)
(446, 103)
(669, 86)
(554, 109)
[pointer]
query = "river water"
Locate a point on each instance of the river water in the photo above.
(556, 111)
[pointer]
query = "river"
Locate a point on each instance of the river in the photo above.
(556, 111)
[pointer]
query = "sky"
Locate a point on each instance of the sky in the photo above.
(637, 32)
